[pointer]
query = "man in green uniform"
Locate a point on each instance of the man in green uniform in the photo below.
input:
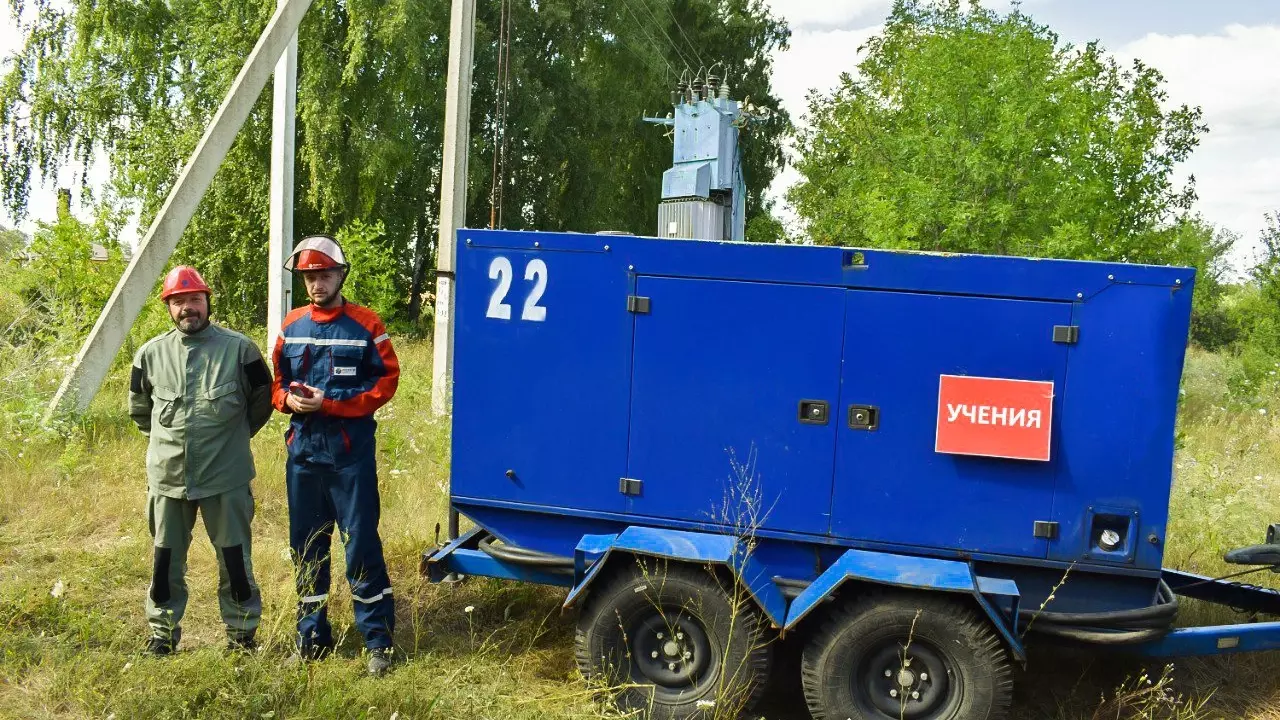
(199, 392)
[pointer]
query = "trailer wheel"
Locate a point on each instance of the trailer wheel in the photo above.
(671, 634)
(902, 656)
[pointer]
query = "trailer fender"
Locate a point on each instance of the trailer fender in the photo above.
(996, 596)
(703, 548)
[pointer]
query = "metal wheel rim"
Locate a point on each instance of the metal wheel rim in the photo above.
(671, 637)
(921, 688)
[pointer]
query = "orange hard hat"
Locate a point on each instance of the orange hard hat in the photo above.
(182, 280)
(317, 252)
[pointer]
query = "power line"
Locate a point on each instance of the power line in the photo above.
(649, 36)
(506, 105)
(498, 125)
(667, 8)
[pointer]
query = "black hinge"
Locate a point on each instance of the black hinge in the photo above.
(637, 304)
(1046, 529)
(629, 486)
(1066, 334)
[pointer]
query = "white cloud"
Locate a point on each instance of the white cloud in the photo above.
(817, 15)
(1234, 76)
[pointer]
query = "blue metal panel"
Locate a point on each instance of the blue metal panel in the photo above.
(1212, 640)
(532, 395)
(720, 370)
(702, 548)
(591, 549)
(551, 400)
(910, 572)
(480, 563)
(890, 484)
(692, 180)
(556, 530)
(1118, 446)
(946, 274)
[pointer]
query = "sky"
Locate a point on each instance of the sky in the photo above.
(1223, 56)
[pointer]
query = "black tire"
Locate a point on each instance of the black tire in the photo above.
(955, 662)
(672, 609)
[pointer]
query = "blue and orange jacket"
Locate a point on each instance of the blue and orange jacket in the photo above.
(346, 352)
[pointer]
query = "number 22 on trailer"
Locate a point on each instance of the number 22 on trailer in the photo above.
(536, 272)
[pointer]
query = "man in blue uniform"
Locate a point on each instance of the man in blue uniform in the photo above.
(334, 366)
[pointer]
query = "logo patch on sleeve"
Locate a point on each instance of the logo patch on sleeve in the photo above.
(340, 371)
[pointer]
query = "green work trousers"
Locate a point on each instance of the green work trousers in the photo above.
(227, 517)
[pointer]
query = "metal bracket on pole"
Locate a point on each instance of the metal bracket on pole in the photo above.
(283, 119)
(96, 355)
(453, 193)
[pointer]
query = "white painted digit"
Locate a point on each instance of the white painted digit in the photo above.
(500, 270)
(532, 310)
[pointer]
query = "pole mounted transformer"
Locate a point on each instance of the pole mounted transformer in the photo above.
(703, 193)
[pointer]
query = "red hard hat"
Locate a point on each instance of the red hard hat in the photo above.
(182, 280)
(317, 252)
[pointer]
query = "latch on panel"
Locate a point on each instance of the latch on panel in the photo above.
(1066, 334)
(1046, 529)
(629, 486)
(814, 412)
(864, 417)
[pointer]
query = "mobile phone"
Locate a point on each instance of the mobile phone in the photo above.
(299, 389)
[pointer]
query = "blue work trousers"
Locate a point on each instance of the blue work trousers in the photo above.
(320, 496)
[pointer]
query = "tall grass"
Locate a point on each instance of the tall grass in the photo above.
(75, 561)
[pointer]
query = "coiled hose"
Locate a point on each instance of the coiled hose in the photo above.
(525, 556)
(1117, 627)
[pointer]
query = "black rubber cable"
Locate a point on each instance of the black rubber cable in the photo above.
(525, 556)
(1150, 616)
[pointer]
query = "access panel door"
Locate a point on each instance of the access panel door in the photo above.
(734, 389)
(939, 395)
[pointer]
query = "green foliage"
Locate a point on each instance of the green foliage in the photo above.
(371, 282)
(970, 131)
(62, 287)
(11, 243)
(138, 80)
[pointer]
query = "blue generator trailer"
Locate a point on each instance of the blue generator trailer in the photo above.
(902, 466)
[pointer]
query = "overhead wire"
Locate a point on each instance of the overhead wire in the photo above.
(694, 48)
(649, 36)
(498, 128)
(506, 106)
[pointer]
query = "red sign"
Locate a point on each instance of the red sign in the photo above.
(994, 417)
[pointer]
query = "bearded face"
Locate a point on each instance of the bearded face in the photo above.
(189, 312)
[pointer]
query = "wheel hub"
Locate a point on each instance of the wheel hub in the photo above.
(670, 652)
(901, 683)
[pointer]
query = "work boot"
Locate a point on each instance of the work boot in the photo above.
(241, 643)
(159, 646)
(379, 661)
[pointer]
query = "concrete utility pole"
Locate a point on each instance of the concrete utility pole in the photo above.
(453, 193)
(284, 111)
(95, 357)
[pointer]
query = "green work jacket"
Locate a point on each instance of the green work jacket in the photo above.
(199, 398)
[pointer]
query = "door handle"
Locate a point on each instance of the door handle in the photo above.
(864, 417)
(815, 412)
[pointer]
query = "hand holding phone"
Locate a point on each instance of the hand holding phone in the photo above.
(304, 398)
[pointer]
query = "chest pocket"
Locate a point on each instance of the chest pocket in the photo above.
(165, 406)
(223, 403)
(295, 357)
(345, 362)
